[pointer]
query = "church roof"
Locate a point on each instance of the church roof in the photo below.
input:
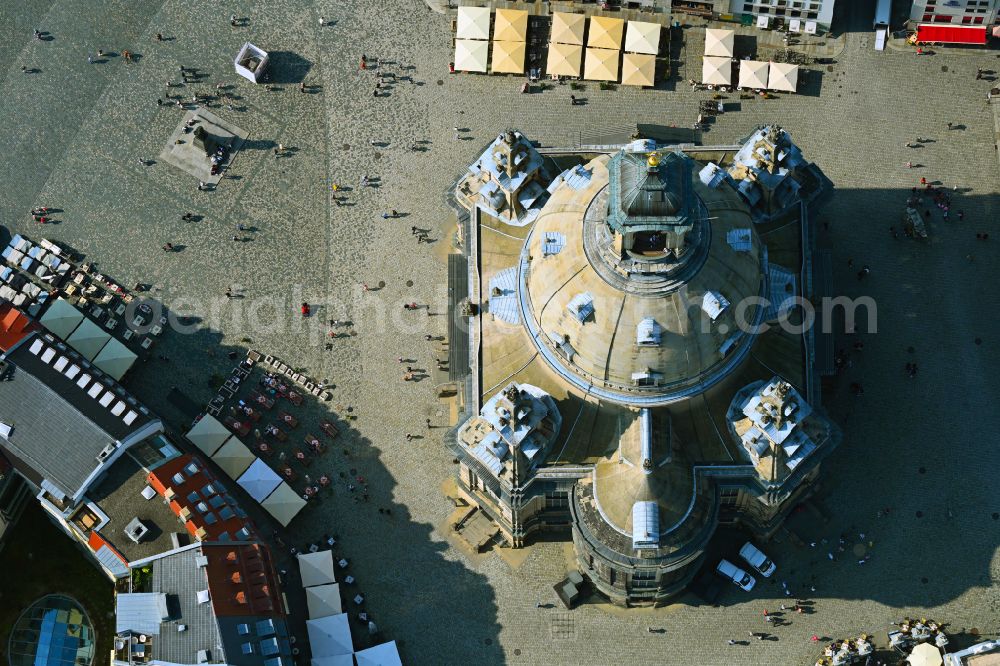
(651, 193)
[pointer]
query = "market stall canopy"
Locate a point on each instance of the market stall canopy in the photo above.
(473, 23)
(329, 636)
(334, 660)
(719, 43)
(567, 28)
(643, 37)
(564, 59)
(952, 34)
(753, 74)
(783, 76)
(386, 654)
(208, 434)
(61, 318)
(88, 339)
(716, 71)
(234, 458)
(115, 359)
(925, 654)
(316, 568)
(510, 25)
(601, 65)
(471, 55)
(259, 480)
(323, 600)
(638, 69)
(284, 504)
(605, 32)
(508, 58)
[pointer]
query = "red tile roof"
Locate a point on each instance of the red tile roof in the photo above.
(163, 477)
(242, 580)
(14, 326)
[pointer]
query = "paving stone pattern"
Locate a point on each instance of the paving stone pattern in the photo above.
(72, 135)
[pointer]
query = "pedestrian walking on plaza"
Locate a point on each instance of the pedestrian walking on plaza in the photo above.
(413, 231)
(731, 642)
(90, 60)
(168, 247)
(229, 292)
(909, 165)
(232, 20)
(572, 100)
(302, 86)
(949, 125)
(409, 437)
(322, 21)
(428, 424)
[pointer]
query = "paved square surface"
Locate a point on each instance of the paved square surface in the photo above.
(72, 133)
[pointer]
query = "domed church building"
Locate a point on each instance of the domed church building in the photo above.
(648, 325)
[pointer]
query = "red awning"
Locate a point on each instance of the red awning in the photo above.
(951, 34)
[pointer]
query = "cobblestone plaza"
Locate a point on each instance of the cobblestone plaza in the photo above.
(73, 135)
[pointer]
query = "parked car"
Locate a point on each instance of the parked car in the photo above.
(740, 578)
(757, 559)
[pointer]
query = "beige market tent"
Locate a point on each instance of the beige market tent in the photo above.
(471, 55)
(316, 568)
(783, 76)
(510, 25)
(753, 74)
(473, 23)
(284, 504)
(638, 69)
(716, 71)
(508, 58)
(564, 60)
(61, 318)
(323, 600)
(719, 42)
(601, 65)
(234, 458)
(642, 37)
(605, 33)
(115, 358)
(567, 28)
(208, 434)
(88, 339)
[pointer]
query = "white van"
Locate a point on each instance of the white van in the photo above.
(756, 559)
(739, 577)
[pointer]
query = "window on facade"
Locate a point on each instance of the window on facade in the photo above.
(966, 20)
(979, 20)
(728, 496)
(557, 500)
(643, 578)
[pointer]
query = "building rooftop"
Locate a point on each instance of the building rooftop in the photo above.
(59, 430)
(119, 496)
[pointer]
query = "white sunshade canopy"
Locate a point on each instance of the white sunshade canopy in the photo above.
(330, 636)
(234, 458)
(719, 42)
(334, 660)
(473, 23)
(284, 504)
(564, 59)
(716, 71)
(385, 654)
(323, 600)
(643, 37)
(567, 28)
(115, 358)
(208, 434)
(316, 568)
(925, 654)
(61, 318)
(259, 480)
(88, 339)
(753, 74)
(471, 55)
(783, 76)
